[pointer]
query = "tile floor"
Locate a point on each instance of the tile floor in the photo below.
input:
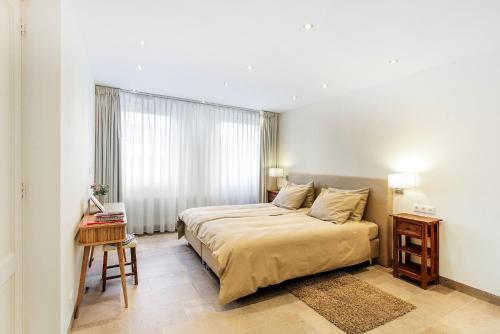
(177, 295)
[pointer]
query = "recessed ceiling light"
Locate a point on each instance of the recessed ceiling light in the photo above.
(139, 67)
(294, 97)
(394, 61)
(141, 43)
(250, 67)
(325, 86)
(308, 26)
(226, 84)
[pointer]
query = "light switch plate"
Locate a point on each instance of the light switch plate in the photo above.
(422, 208)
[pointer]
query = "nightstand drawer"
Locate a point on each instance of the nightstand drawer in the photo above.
(410, 229)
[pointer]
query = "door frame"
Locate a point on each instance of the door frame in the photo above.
(19, 188)
(13, 262)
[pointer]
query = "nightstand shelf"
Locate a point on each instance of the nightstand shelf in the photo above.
(414, 250)
(407, 227)
(414, 270)
(411, 269)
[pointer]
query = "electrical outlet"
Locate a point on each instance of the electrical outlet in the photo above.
(422, 208)
(71, 298)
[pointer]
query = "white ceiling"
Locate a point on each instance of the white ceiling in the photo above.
(192, 47)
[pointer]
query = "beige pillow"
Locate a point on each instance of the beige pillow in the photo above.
(357, 213)
(334, 207)
(291, 196)
(309, 200)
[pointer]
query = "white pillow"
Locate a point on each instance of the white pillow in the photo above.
(291, 196)
(334, 207)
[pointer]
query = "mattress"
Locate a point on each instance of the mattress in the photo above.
(372, 228)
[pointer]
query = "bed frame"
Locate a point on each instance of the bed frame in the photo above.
(378, 209)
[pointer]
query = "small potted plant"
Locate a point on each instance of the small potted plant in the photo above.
(100, 191)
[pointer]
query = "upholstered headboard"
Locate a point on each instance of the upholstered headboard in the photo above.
(378, 208)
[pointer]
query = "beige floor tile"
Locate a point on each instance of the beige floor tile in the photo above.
(400, 288)
(412, 322)
(198, 307)
(476, 317)
(172, 291)
(206, 286)
(96, 313)
(91, 330)
(440, 301)
(439, 329)
(160, 282)
(196, 327)
(315, 321)
(372, 275)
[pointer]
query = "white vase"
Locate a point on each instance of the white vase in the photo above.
(101, 198)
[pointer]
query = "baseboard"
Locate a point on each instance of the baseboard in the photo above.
(468, 290)
(70, 327)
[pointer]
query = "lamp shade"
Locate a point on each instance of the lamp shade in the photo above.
(402, 180)
(276, 172)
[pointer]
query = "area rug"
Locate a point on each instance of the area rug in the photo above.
(348, 302)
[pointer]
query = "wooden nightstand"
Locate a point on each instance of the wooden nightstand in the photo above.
(426, 229)
(271, 194)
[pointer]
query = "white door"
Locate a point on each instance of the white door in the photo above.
(10, 178)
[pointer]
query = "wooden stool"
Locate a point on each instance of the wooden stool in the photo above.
(133, 262)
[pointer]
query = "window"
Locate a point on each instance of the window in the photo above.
(178, 154)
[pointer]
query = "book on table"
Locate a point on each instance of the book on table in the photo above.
(109, 216)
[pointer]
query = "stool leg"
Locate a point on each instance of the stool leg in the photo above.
(91, 256)
(131, 260)
(133, 255)
(104, 270)
(119, 248)
(124, 255)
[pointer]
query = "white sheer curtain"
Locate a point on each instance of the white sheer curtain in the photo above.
(178, 154)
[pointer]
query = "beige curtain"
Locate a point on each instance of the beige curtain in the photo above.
(268, 151)
(107, 140)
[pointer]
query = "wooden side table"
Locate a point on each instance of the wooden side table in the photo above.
(101, 234)
(271, 195)
(407, 226)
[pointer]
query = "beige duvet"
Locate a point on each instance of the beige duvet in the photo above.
(260, 244)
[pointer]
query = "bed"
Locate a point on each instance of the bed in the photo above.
(253, 246)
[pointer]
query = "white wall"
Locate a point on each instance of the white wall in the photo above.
(442, 123)
(58, 103)
(77, 106)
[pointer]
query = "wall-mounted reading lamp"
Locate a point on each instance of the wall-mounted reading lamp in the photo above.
(401, 181)
(280, 174)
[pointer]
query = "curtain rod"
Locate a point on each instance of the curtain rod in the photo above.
(179, 98)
